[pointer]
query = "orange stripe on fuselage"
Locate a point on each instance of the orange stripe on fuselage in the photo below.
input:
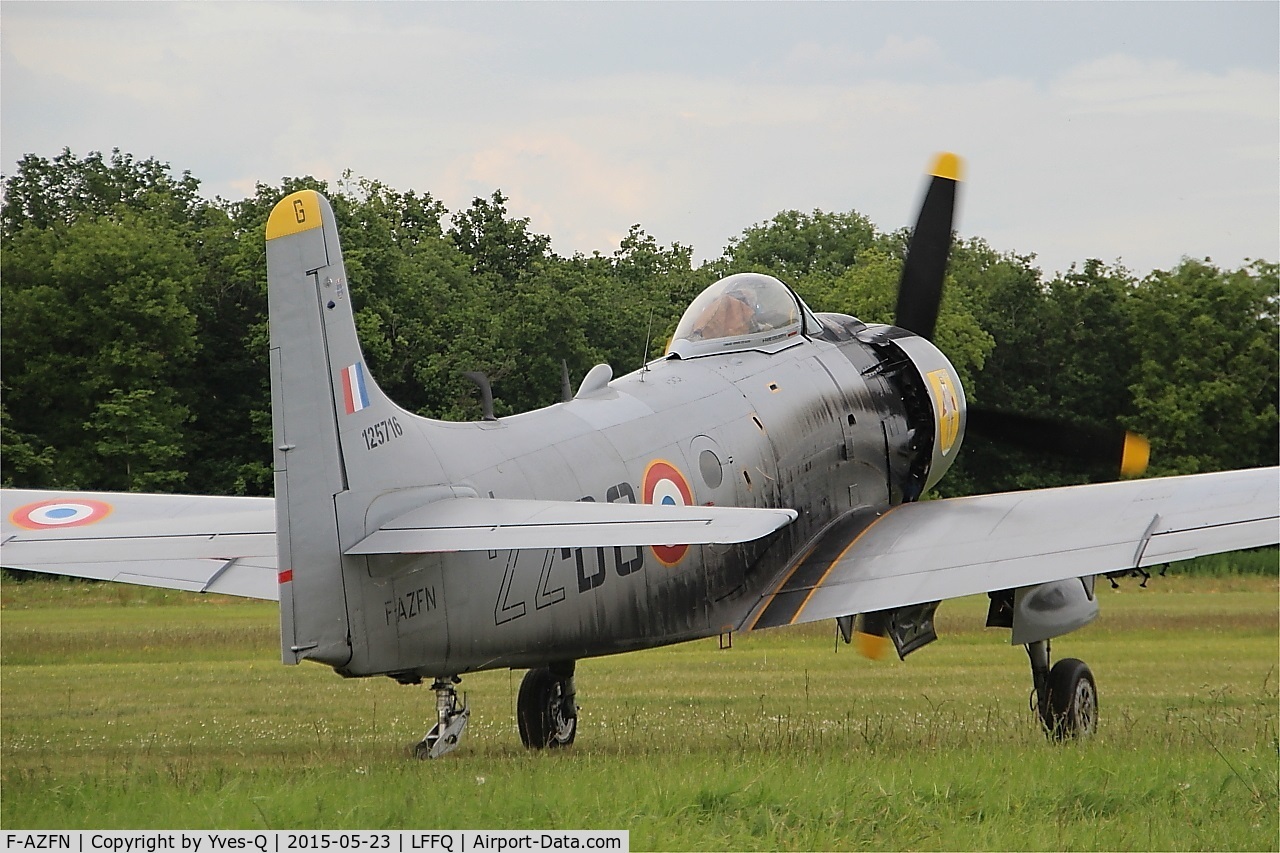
(781, 606)
(834, 562)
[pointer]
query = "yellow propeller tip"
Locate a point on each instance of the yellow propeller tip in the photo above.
(1136, 455)
(949, 166)
(871, 646)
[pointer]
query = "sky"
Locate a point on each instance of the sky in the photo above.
(1131, 132)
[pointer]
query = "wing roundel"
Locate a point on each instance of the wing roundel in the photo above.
(189, 542)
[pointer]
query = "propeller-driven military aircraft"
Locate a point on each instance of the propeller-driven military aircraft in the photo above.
(766, 471)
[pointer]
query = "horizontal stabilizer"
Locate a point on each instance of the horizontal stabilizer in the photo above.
(497, 524)
(189, 542)
(954, 547)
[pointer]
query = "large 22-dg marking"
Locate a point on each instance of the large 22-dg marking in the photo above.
(592, 566)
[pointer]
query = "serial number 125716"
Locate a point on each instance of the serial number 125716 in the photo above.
(381, 432)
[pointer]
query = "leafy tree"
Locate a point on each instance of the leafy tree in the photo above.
(26, 462)
(94, 309)
(413, 293)
(1206, 377)
(1087, 337)
(1063, 351)
(138, 437)
(46, 192)
(793, 245)
(496, 245)
(642, 296)
(869, 291)
(225, 386)
(1006, 293)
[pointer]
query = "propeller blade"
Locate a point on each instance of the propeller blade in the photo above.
(872, 636)
(1113, 447)
(920, 290)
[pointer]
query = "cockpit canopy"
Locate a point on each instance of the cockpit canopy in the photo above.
(743, 311)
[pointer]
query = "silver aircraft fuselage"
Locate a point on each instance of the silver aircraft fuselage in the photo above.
(821, 424)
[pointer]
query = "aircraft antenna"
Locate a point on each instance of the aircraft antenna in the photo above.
(566, 390)
(644, 356)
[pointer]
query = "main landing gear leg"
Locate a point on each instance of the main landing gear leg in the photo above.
(453, 715)
(1066, 697)
(546, 712)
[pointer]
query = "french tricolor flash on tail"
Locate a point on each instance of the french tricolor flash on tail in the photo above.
(354, 394)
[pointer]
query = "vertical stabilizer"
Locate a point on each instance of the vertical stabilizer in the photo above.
(318, 379)
(339, 440)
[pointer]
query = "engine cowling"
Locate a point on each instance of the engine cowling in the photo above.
(938, 381)
(933, 404)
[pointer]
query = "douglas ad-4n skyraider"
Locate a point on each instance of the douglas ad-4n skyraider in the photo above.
(766, 471)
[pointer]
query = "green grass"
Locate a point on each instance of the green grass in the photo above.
(138, 708)
(1259, 561)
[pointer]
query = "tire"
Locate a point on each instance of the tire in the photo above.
(1072, 707)
(543, 716)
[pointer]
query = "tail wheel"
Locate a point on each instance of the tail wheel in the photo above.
(1072, 707)
(546, 713)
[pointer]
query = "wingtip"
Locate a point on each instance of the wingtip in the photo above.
(949, 166)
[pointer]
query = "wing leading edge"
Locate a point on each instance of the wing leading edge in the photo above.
(961, 546)
(190, 542)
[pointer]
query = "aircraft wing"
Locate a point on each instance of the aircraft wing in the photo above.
(939, 549)
(188, 542)
(485, 524)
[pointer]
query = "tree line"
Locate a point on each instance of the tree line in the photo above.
(133, 328)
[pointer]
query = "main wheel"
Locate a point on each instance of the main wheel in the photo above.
(545, 716)
(1072, 707)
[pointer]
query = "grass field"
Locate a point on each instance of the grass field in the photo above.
(123, 707)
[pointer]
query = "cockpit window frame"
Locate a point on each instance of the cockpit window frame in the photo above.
(767, 340)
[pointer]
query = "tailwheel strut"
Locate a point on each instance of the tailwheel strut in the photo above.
(1065, 696)
(452, 715)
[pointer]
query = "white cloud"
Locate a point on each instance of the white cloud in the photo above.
(1125, 84)
(898, 51)
(837, 59)
(542, 170)
(695, 133)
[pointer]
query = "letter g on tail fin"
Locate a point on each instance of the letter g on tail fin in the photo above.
(295, 213)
